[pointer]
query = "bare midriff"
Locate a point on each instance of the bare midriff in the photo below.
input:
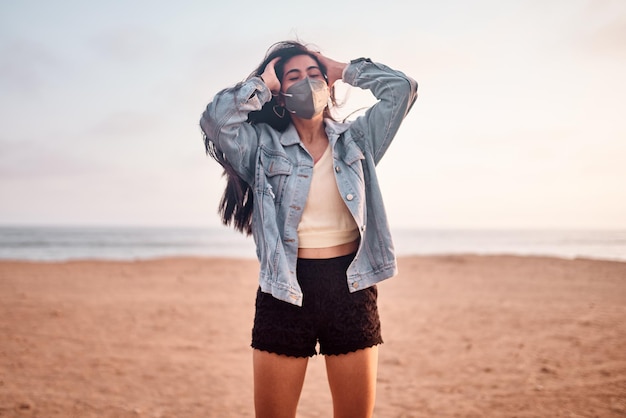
(329, 252)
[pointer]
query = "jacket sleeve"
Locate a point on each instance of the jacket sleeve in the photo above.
(224, 123)
(396, 94)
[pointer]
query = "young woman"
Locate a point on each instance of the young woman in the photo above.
(305, 186)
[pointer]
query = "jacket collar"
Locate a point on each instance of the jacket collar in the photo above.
(289, 136)
(333, 130)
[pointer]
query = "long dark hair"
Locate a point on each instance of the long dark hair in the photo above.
(235, 207)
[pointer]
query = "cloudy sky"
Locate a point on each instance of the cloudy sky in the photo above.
(520, 121)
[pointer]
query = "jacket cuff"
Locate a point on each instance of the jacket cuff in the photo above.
(259, 89)
(352, 70)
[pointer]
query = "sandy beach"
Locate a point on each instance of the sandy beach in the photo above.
(465, 336)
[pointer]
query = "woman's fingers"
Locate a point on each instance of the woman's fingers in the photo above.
(270, 78)
(334, 69)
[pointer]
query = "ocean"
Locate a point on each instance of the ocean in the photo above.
(38, 243)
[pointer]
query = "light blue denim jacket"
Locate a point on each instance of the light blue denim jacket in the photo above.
(279, 169)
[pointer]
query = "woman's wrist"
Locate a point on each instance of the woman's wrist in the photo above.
(271, 83)
(341, 68)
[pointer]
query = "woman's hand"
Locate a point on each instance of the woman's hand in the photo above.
(334, 69)
(269, 77)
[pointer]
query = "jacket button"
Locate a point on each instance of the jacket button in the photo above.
(355, 285)
(349, 196)
(337, 168)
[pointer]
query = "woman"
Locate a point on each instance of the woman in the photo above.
(305, 187)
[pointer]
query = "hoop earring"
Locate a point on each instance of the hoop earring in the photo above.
(276, 112)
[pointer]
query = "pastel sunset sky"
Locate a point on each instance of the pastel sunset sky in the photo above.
(520, 120)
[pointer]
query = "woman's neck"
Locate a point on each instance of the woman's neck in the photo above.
(312, 135)
(310, 130)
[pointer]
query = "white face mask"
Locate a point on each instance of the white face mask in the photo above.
(307, 98)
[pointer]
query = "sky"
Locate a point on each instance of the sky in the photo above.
(520, 120)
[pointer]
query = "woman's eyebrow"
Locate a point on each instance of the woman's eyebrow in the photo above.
(296, 70)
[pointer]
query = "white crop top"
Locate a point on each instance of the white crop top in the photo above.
(326, 220)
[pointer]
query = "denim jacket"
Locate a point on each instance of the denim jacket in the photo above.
(279, 169)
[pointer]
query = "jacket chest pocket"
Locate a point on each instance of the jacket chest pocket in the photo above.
(276, 168)
(353, 159)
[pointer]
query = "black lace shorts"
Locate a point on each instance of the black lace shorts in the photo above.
(342, 322)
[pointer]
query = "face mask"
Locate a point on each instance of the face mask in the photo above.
(307, 98)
